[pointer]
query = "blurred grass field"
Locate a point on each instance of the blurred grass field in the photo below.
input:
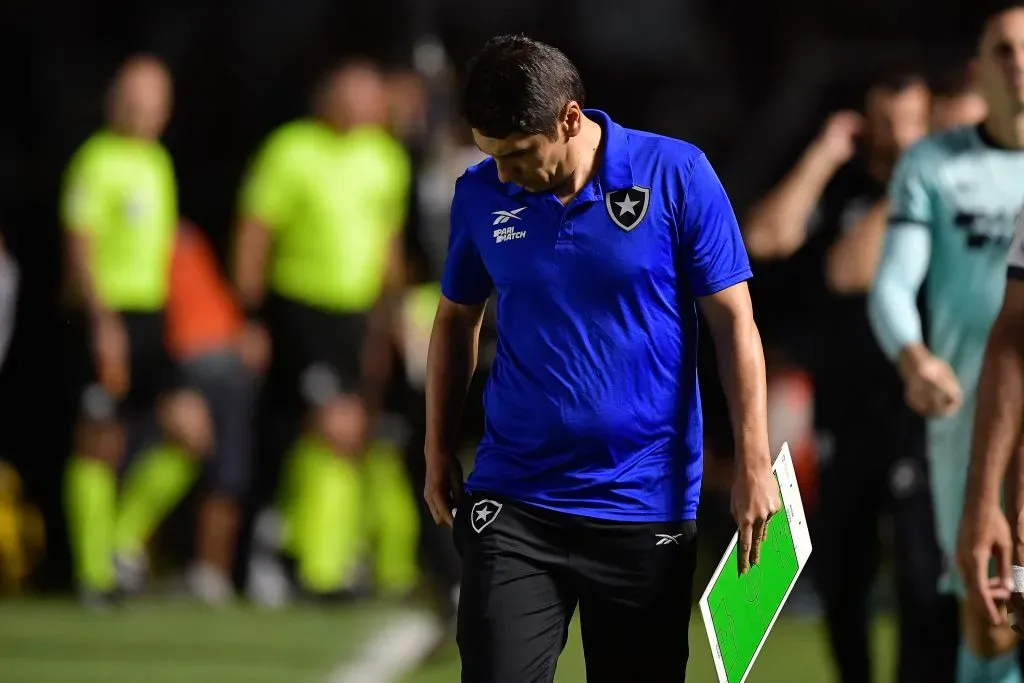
(166, 641)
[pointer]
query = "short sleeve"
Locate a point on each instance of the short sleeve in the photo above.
(82, 197)
(267, 191)
(909, 190)
(714, 256)
(465, 279)
(1015, 263)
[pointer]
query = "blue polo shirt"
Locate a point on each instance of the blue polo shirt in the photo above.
(592, 406)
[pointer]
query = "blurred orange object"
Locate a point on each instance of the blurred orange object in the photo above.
(791, 419)
(202, 315)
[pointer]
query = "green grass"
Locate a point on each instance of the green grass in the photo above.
(794, 653)
(174, 642)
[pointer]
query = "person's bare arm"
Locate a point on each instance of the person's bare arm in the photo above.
(853, 259)
(777, 226)
(741, 368)
(451, 362)
(79, 244)
(986, 536)
(997, 420)
(253, 241)
(380, 343)
(755, 494)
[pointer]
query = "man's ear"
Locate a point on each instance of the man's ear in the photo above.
(572, 119)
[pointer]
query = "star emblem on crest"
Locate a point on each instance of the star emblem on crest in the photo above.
(628, 207)
(484, 512)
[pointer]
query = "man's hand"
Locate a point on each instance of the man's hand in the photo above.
(110, 349)
(985, 536)
(755, 498)
(838, 138)
(443, 490)
(254, 347)
(931, 388)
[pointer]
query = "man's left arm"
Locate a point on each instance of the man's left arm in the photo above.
(379, 344)
(717, 268)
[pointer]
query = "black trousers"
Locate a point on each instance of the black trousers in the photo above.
(525, 571)
(873, 474)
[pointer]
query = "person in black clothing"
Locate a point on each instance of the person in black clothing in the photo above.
(827, 217)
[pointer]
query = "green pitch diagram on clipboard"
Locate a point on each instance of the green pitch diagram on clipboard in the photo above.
(739, 611)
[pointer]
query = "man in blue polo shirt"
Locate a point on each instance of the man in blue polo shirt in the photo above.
(600, 242)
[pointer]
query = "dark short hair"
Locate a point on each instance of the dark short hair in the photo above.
(897, 79)
(518, 85)
(951, 81)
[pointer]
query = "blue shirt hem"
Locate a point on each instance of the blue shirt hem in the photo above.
(688, 513)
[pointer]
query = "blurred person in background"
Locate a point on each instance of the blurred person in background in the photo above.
(954, 199)
(119, 211)
(204, 326)
(410, 124)
(10, 280)
(830, 211)
(319, 266)
(957, 99)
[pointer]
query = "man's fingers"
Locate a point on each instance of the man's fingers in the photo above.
(440, 510)
(981, 588)
(1016, 603)
(1002, 554)
(756, 536)
(430, 506)
(746, 535)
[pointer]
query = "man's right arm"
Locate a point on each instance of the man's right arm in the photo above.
(777, 226)
(451, 359)
(986, 536)
(253, 240)
(266, 198)
(906, 256)
(997, 423)
(451, 362)
(82, 216)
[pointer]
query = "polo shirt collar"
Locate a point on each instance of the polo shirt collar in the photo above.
(616, 172)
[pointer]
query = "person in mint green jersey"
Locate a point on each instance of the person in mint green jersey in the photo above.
(318, 265)
(119, 212)
(955, 197)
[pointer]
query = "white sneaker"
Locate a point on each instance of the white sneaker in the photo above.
(267, 584)
(209, 584)
(131, 571)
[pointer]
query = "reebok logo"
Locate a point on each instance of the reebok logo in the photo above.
(666, 539)
(506, 216)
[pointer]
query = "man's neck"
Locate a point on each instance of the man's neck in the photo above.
(1007, 132)
(127, 134)
(583, 157)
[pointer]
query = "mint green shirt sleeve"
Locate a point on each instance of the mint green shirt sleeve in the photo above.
(906, 255)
